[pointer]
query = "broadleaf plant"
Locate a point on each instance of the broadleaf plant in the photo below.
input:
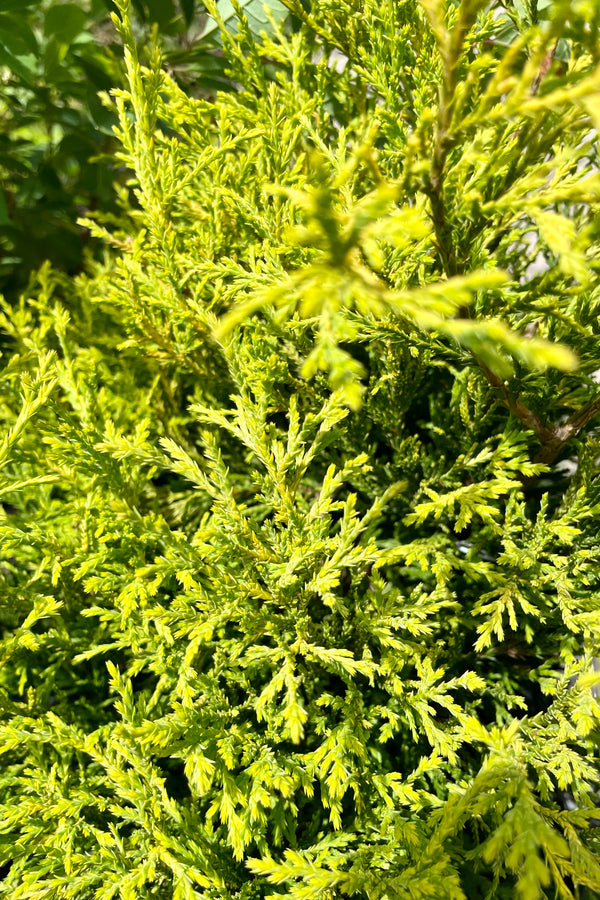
(300, 483)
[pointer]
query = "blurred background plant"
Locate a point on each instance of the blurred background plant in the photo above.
(57, 59)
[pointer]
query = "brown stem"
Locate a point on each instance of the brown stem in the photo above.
(563, 433)
(553, 438)
(527, 416)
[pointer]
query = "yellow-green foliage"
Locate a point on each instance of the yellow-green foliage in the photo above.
(296, 599)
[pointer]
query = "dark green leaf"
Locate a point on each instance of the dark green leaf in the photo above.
(187, 7)
(4, 217)
(17, 34)
(65, 22)
(15, 5)
(162, 12)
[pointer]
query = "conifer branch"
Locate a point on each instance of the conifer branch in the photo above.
(552, 437)
(434, 186)
(450, 45)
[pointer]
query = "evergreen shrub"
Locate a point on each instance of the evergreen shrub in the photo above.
(300, 484)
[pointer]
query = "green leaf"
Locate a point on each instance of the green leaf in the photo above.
(258, 20)
(24, 66)
(4, 217)
(17, 35)
(188, 10)
(164, 13)
(64, 22)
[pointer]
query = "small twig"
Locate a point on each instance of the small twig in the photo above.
(544, 69)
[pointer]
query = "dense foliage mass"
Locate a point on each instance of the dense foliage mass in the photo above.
(300, 484)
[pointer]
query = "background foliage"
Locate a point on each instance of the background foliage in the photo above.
(300, 478)
(58, 61)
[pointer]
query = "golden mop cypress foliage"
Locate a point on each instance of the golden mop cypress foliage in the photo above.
(297, 599)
